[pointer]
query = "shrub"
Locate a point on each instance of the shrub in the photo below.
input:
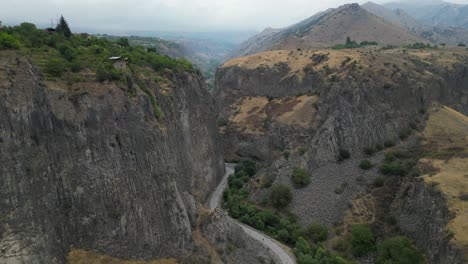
(55, 67)
(302, 246)
(366, 164)
(461, 45)
(283, 235)
(397, 168)
(398, 250)
(75, 66)
(123, 42)
(281, 196)
(389, 143)
(404, 134)
(268, 183)
(344, 154)
(369, 151)
(8, 41)
(341, 188)
(341, 245)
(379, 181)
(362, 240)
(67, 52)
(379, 147)
(300, 177)
(317, 232)
(248, 166)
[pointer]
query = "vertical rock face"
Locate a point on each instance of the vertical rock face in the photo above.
(94, 169)
(363, 100)
(423, 215)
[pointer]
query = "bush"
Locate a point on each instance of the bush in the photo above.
(317, 232)
(389, 144)
(248, 166)
(341, 245)
(302, 246)
(281, 196)
(55, 67)
(362, 240)
(398, 250)
(341, 188)
(395, 168)
(344, 154)
(300, 177)
(366, 165)
(8, 41)
(123, 42)
(379, 181)
(67, 52)
(369, 151)
(75, 66)
(461, 45)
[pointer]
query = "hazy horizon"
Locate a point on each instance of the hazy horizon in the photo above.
(127, 17)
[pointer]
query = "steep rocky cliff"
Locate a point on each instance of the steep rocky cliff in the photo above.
(324, 111)
(363, 98)
(87, 165)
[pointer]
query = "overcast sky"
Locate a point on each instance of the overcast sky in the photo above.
(186, 15)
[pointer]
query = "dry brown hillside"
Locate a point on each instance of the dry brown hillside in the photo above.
(330, 28)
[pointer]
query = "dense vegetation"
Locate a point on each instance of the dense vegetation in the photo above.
(69, 57)
(61, 52)
(279, 223)
(351, 44)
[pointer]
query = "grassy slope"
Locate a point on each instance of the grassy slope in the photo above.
(446, 136)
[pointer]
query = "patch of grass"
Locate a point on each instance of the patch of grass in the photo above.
(366, 165)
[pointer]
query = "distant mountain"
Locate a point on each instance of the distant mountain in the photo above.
(329, 28)
(435, 34)
(396, 16)
(435, 13)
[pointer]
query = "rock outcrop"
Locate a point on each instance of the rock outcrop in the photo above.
(88, 166)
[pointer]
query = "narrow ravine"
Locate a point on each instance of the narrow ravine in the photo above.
(277, 248)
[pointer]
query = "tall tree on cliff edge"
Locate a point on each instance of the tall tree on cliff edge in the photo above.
(63, 28)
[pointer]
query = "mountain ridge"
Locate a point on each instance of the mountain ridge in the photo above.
(329, 28)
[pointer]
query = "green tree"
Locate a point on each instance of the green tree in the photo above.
(123, 42)
(302, 246)
(317, 232)
(281, 196)
(362, 240)
(8, 41)
(55, 67)
(63, 28)
(300, 177)
(398, 250)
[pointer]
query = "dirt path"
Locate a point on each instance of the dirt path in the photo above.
(273, 245)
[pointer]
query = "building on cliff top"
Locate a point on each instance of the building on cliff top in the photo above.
(119, 62)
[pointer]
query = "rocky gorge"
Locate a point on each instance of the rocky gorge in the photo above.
(322, 111)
